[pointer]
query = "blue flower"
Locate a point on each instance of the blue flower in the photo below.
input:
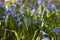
(33, 11)
(5, 13)
(18, 3)
(48, 4)
(43, 33)
(8, 9)
(55, 30)
(13, 11)
(13, 15)
(21, 11)
(35, 21)
(45, 38)
(2, 2)
(4, 17)
(39, 2)
(52, 7)
(19, 23)
(14, 5)
(18, 19)
(31, 5)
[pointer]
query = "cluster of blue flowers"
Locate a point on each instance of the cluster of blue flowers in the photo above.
(51, 6)
(21, 10)
(12, 11)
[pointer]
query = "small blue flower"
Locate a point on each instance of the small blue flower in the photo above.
(33, 11)
(13, 11)
(18, 19)
(35, 21)
(14, 15)
(39, 2)
(4, 17)
(55, 30)
(14, 5)
(48, 4)
(5, 13)
(21, 11)
(43, 33)
(52, 7)
(45, 38)
(18, 3)
(2, 2)
(8, 9)
(31, 5)
(19, 23)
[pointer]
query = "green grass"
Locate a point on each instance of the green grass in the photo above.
(10, 30)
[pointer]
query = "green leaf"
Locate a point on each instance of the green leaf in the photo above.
(34, 35)
(14, 33)
(11, 22)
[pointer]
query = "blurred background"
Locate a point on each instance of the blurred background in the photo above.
(34, 0)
